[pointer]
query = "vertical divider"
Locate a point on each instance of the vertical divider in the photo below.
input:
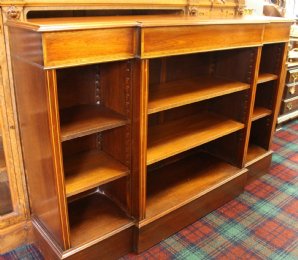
(254, 73)
(279, 90)
(139, 137)
(54, 123)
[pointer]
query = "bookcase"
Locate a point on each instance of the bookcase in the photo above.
(134, 127)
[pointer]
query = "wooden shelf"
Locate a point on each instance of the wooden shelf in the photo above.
(265, 77)
(95, 216)
(260, 112)
(181, 135)
(88, 119)
(175, 185)
(254, 152)
(182, 92)
(85, 171)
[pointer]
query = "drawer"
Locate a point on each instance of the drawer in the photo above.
(292, 76)
(291, 90)
(175, 40)
(62, 49)
(276, 32)
(289, 105)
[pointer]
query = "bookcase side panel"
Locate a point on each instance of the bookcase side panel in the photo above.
(36, 138)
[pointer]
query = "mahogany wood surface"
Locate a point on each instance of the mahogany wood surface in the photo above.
(88, 170)
(182, 92)
(175, 185)
(260, 112)
(88, 119)
(119, 135)
(181, 217)
(264, 77)
(259, 167)
(94, 217)
(180, 135)
(60, 49)
(165, 41)
(35, 132)
(276, 32)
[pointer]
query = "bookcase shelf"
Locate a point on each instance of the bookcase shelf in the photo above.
(175, 185)
(265, 77)
(182, 92)
(183, 134)
(254, 152)
(95, 216)
(88, 170)
(154, 130)
(88, 119)
(260, 112)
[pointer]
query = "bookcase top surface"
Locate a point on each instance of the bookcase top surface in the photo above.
(84, 23)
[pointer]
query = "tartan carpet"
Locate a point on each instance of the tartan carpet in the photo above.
(262, 223)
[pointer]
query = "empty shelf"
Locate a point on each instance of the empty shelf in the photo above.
(182, 92)
(93, 217)
(177, 184)
(88, 119)
(260, 112)
(265, 77)
(85, 171)
(254, 152)
(181, 135)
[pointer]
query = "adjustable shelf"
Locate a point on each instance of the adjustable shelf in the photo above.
(177, 184)
(95, 216)
(182, 92)
(265, 77)
(183, 134)
(88, 119)
(88, 170)
(260, 112)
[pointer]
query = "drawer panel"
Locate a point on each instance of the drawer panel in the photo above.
(164, 41)
(291, 90)
(90, 46)
(289, 105)
(276, 32)
(292, 76)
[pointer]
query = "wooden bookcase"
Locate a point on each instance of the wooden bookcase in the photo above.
(141, 125)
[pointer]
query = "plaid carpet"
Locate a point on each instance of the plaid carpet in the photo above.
(262, 223)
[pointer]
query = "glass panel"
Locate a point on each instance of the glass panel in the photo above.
(5, 196)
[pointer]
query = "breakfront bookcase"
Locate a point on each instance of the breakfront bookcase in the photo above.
(133, 127)
(15, 226)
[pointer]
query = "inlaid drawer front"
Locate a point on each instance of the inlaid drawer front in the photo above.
(89, 46)
(276, 32)
(291, 90)
(163, 41)
(292, 76)
(289, 105)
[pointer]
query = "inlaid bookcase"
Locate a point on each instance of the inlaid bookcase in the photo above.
(134, 127)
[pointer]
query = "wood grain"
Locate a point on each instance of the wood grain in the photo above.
(182, 182)
(254, 153)
(60, 49)
(88, 119)
(265, 77)
(182, 92)
(276, 32)
(180, 135)
(88, 170)
(93, 217)
(260, 112)
(165, 41)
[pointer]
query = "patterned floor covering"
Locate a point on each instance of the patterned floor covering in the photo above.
(262, 223)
